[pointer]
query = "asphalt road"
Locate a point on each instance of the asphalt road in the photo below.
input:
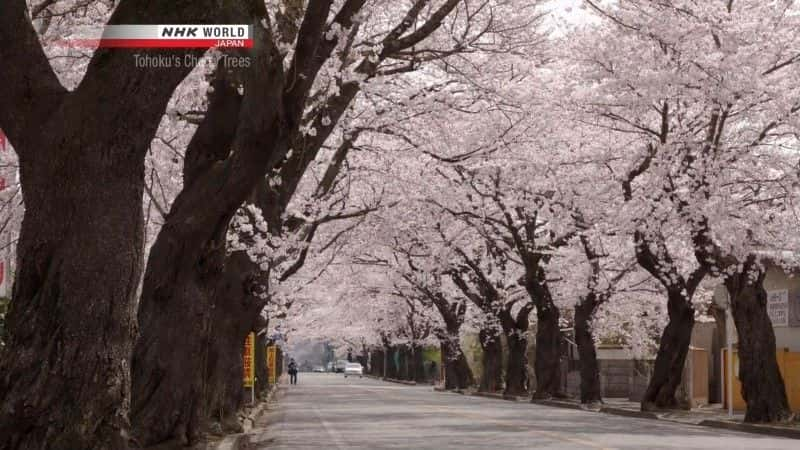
(331, 412)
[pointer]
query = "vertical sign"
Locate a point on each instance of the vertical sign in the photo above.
(778, 307)
(249, 359)
(271, 367)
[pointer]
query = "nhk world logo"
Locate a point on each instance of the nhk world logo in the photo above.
(168, 36)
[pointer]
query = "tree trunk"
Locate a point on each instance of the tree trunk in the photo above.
(548, 351)
(515, 330)
(187, 260)
(237, 313)
(403, 370)
(589, 367)
(64, 373)
(763, 388)
(419, 364)
(64, 377)
(278, 362)
(173, 353)
(671, 356)
(391, 365)
(517, 367)
(262, 371)
(376, 366)
(458, 375)
(491, 359)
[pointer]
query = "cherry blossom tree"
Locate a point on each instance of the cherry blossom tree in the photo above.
(711, 97)
(80, 246)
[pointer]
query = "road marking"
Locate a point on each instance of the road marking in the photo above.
(337, 438)
(550, 434)
(453, 410)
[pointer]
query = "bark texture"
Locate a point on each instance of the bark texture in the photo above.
(763, 388)
(65, 380)
(223, 390)
(517, 365)
(652, 255)
(515, 330)
(187, 260)
(457, 373)
(671, 357)
(589, 368)
(548, 352)
(491, 360)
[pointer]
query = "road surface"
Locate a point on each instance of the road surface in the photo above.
(331, 412)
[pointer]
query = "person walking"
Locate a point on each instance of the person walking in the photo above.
(292, 372)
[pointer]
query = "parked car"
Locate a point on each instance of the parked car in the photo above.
(353, 369)
(340, 365)
(319, 369)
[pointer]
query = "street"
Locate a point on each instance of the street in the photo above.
(329, 411)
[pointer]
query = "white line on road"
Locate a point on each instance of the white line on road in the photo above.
(337, 438)
(456, 411)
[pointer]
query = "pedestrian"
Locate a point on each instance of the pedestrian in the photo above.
(292, 372)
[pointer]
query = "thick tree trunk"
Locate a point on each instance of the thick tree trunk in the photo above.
(376, 366)
(403, 369)
(391, 366)
(172, 355)
(589, 367)
(458, 375)
(64, 373)
(491, 359)
(186, 262)
(671, 356)
(517, 367)
(419, 364)
(763, 388)
(409, 363)
(515, 330)
(262, 371)
(548, 351)
(279, 362)
(64, 377)
(237, 314)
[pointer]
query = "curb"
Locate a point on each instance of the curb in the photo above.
(732, 426)
(407, 383)
(557, 404)
(498, 396)
(752, 428)
(629, 413)
(240, 441)
(449, 391)
(392, 380)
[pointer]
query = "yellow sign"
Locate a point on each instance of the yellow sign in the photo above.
(271, 369)
(249, 360)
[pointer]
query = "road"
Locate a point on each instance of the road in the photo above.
(329, 411)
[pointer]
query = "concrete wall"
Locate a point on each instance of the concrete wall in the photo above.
(615, 377)
(615, 373)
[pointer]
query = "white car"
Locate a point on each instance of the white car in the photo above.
(353, 369)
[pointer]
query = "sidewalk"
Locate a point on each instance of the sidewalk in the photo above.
(708, 416)
(250, 416)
